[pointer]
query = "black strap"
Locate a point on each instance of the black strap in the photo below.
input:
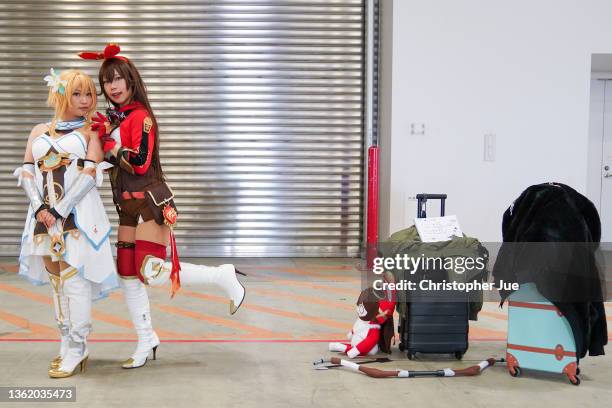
(143, 151)
(125, 244)
(55, 213)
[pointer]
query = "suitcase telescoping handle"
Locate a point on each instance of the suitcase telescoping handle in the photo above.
(422, 203)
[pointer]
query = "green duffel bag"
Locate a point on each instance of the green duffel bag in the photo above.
(408, 242)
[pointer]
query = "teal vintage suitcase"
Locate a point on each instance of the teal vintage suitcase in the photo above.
(539, 337)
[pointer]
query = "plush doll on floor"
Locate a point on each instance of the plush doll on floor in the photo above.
(373, 329)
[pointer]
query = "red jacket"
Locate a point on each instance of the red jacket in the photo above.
(137, 135)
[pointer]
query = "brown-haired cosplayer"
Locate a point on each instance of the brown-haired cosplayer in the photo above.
(144, 202)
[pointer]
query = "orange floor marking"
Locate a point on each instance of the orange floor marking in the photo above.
(26, 294)
(117, 321)
(253, 331)
(35, 329)
(12, 268)
(313, 267)
(133, 337)
(100, 316)
(329, 267)
(304, 299)
(478, 332)
(315, 275)
(112, 319)
(340, 336)
(269, 310)
(499, 316)
(345, 291)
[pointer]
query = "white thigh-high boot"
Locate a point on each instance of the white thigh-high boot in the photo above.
(60, 304)
(156, 272)
(137, 301)
(78, 291)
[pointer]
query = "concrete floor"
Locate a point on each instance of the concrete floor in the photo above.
(263, 355)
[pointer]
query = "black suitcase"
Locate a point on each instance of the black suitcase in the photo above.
(438, 324)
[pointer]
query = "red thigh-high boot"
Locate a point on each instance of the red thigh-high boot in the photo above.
(137, 301)
(156, 272)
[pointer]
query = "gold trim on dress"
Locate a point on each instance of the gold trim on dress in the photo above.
(128, 277)
(56, 283)
(58, 196)
(160, 268)
(58, 246)
(53, 160)
(155, 265)
(72, 271)
(147, 123)
(163, 201)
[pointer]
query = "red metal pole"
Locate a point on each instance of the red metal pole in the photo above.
(372, 226)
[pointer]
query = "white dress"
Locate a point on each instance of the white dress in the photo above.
(87, 245)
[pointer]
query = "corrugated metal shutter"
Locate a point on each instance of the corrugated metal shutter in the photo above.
(259, 104)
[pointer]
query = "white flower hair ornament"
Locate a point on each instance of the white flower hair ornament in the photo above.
(54, 82)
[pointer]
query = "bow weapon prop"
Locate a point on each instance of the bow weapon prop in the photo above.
(323, 364)
(446, 372)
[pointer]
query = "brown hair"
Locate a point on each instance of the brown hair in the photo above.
(127, 70)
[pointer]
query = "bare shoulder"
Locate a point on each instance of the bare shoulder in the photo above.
(39, 129)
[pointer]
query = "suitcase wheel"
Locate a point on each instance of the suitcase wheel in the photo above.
(517, 372)
(401, 347)
(458, 355)
(411, 356)
(574, 380)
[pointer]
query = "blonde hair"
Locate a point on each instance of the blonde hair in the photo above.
(75, 79)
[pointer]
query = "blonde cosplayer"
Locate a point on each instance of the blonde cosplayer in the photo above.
(66, 235)
(59, 96)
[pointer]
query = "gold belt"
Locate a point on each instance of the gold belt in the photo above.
(53, 161)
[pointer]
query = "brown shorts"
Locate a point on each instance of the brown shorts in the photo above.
(130, 210)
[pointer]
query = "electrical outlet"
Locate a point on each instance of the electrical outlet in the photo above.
(417, 129)
(410, 207)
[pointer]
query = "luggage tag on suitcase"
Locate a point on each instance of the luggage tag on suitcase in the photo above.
(438, 229)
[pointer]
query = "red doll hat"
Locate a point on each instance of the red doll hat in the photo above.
(110, 51)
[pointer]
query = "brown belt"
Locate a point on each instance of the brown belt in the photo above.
(133, 195)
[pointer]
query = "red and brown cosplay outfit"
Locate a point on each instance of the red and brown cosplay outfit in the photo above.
(138, 190)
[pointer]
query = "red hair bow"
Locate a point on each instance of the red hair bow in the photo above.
(110, 51)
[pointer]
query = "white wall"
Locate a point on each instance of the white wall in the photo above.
(518, 69)
(385, 84)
